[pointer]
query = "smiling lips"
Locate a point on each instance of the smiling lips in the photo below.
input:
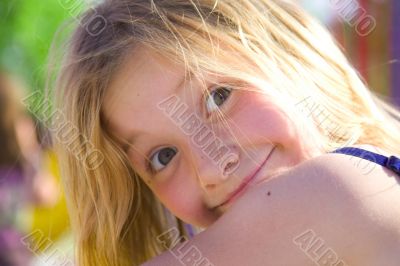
(244, 184)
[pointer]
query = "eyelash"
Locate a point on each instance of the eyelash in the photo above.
(209, 92)
(148, 161)
(205, 96)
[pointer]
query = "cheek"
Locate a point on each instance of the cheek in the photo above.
(258, 119)
(184, 201)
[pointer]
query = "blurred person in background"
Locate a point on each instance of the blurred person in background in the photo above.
(13, 177)
(22, 179)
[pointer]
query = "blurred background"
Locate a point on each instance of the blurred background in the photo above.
(34, 228)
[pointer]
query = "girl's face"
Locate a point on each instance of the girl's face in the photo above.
(196, 160)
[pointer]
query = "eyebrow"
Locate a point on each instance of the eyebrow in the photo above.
(132, 138)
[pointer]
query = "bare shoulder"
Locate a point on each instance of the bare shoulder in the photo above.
(346, 205)
(331, 210)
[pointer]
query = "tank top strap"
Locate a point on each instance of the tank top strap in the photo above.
(391, 162)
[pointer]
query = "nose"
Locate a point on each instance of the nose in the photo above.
(215, 164)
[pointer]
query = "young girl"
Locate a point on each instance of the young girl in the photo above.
(225, 113)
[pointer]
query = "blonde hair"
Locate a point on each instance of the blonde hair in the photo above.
(270, 44)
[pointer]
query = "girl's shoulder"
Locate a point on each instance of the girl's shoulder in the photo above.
(330, 208)
(325, 211)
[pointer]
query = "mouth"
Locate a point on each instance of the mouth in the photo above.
(242, 187)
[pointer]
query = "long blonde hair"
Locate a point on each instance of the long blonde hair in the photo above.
(267, 43)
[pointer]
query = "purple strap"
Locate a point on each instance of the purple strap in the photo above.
(392, 162)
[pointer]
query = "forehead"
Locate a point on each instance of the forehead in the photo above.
(143, 80)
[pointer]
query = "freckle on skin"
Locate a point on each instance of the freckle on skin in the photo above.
(268, 193)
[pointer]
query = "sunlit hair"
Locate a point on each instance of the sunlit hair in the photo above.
(271, 45)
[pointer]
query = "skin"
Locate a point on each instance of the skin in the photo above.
(192, 184)
(328, 194)
(330, 199)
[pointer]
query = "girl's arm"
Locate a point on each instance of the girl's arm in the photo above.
(325, 211)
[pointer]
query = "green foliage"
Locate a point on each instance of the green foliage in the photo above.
(27, 29)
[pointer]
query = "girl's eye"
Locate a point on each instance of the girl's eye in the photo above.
(161, 158)
(216, 98)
